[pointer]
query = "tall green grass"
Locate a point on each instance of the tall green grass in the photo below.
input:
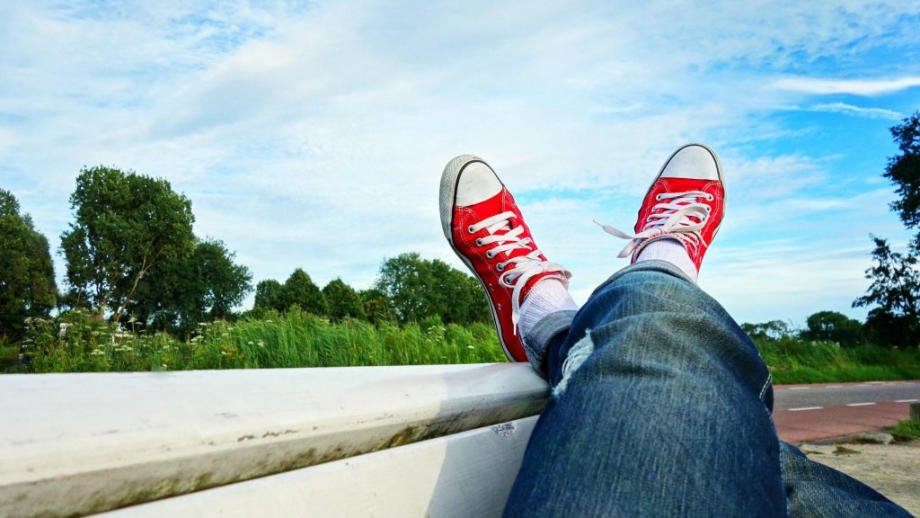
(295, 339)
(77, 342)
(793, 360)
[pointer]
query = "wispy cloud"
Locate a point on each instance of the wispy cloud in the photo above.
(846, 86)
(859, 111)
(313, 134)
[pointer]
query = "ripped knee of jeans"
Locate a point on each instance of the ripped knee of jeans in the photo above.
(573, 360)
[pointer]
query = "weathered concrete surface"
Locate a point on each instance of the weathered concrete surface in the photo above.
(892, 469)
(82, 443)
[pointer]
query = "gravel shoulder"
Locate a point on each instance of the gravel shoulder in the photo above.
(891, 469)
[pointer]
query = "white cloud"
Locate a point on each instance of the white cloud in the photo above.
(846, 86)
(315, 136)
(859, 111)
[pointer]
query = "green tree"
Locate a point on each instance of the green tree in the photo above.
(126, 226)
(835, 327)
(27, 287)
(269, 295)
(895, 285)
(221, 283)
(205, 285)
(404, 280)
(299, 290)
(895, 293)
(772, 330)
(904, 170)
(418, 289)
(377, 306)
(342, 301)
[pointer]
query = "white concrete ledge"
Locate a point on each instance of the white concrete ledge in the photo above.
(82, 443)
(460, 475)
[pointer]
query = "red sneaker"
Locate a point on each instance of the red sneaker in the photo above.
(485, 228)
(685, 202)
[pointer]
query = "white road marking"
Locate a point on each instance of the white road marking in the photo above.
(907, 400)
(859, 404)
(799, 409)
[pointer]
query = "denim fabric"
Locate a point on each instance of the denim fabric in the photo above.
(661, 405)
(550, 328)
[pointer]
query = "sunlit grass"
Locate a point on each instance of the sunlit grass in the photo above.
(295, 339)
(77, 342)
(792, 360)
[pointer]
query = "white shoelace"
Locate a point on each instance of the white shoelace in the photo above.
(524, 267)
(673, 216)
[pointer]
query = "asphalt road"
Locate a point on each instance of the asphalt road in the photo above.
(800, 397)
(831, 410)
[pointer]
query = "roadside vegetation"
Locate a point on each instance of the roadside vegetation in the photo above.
(77, 342)
(906, 430)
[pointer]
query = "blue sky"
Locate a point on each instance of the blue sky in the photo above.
(313, 134)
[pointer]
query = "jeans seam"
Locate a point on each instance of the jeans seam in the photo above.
(766, 384)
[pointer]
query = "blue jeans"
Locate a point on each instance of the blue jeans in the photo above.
(661, 405)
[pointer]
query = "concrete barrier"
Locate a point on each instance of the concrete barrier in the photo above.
(74, 444)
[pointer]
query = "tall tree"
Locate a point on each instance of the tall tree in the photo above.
(420, 288)
(904, 170)
(833, 326)
(377, 307)
(895, 286)
(300, 290)
(269, 295)
(205, 285)
(342, 301)
(222, 283)
(125, 226)
(895, 294)
(404, 280)
(27, 287)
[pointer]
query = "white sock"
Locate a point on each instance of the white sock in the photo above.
(672, 251)
(547, 296)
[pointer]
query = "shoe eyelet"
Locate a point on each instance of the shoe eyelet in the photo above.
(478, 241)
(470, 229)
(708, 208)
(657, 197)
(500, 267)
(490, 255)
(710, 197)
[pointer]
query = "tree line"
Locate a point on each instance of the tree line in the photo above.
(408, 289)
(131, 256)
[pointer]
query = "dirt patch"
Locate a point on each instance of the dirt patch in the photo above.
(891, 469)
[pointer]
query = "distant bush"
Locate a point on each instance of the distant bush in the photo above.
(832, 326)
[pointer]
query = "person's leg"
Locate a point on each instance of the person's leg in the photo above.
(661, 405)
(658, 407)
(813, 489)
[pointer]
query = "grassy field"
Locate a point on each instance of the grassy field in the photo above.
(78, 343)
(295, 339)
